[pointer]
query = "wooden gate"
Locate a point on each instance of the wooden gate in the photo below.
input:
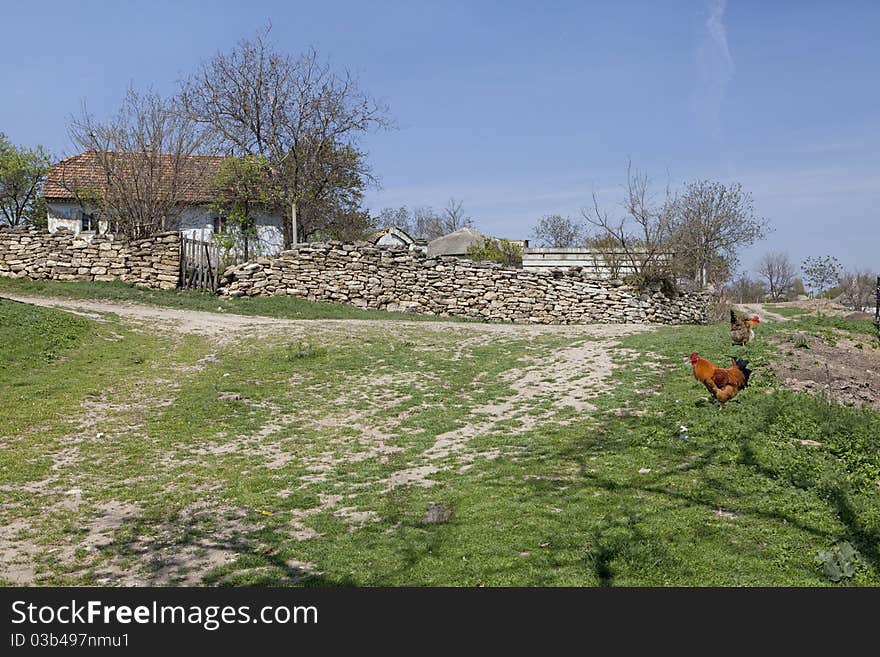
(200, 264)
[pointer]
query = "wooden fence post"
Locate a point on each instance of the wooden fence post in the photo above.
(200, 263)
(877, 311)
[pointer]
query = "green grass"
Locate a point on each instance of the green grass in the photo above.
(813, 324)
(282, 306)
(283, 469)
(786, 311)
(753, 456)
(806, 319)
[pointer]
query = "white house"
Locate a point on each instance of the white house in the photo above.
(394, 236)
(195, 219)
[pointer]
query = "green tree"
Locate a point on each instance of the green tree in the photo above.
(346, 224)
(712, 223)
(333, 210)
(821, 273)
(240, 190)
(22, 172)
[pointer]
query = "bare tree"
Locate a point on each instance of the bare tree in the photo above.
(642, 233)
(556, 231)
(745, 289)
(710, 223)
(454, 217)
(778, 272)
(859, 289)
(143, 164)
(394, 217)
(298, 114)
(606, 255)
(423, 222)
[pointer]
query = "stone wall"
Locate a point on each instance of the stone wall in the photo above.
(401, 280)
(63, 256)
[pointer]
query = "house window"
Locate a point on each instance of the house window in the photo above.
(219, 224)
(89, 223)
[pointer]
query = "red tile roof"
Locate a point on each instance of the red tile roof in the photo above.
(84, 171)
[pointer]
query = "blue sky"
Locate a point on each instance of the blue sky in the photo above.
(522, 109)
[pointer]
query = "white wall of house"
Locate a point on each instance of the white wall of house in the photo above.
(69, 216)
(390, 239)
(196, 222)
(393, 236)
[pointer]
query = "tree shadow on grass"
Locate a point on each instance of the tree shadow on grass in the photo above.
(836, 493)
(182, 551)
(623, 527)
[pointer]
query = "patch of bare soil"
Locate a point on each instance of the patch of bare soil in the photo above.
(568, 378)
(17, 554)
(759, 310)
(847, 372)
(183, 550)
(119, 547)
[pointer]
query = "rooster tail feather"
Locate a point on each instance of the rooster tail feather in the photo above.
(742, 366)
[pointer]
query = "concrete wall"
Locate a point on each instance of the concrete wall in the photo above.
(592, 260)
(390, 278)
(65, 256)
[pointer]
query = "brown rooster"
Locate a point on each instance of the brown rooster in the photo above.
(724, 384)
(742, 329)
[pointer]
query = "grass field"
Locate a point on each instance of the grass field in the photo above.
(433, 454)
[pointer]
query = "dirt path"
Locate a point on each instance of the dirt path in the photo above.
(569, 377)
(223, 325)
(545, 387)
(759, 310)
(215, 325)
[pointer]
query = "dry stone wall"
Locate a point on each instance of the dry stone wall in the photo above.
(63, 256)
(397, 279)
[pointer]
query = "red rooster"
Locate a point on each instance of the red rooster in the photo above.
(724, 384)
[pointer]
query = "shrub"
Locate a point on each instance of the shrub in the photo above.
(504, 251)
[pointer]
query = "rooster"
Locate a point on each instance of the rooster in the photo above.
(742, 329)
(724, 384)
